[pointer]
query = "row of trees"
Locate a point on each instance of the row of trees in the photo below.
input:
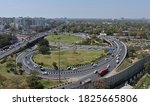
(134, 27)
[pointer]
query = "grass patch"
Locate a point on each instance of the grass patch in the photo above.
(13, 81)
(143, 83)
(68, 57)
(49, 83)
(63, 38)
(126, 63)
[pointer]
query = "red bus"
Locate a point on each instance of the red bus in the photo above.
(103, 71)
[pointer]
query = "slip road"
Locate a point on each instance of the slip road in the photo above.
(33, 98)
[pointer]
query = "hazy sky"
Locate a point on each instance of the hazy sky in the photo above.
(75, 8)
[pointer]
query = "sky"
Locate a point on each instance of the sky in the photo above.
(75, 8)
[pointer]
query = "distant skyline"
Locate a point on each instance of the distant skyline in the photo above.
(75, 8)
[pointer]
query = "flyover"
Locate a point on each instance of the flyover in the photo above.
(23, 44)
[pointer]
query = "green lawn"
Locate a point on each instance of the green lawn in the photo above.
(12, 81)
(68, 57)
(63, 38)
(143, 83)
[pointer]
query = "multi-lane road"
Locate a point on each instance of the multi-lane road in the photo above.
(20, 45)
(119, 50)
(82, 72)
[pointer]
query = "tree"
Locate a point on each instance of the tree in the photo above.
(34, 81)
(43, 42)
(131, 51)
(43, 46)
(11, 67)
(55, 65)
(19, 65)
(43, 49)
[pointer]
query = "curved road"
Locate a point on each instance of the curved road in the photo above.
(82, 71)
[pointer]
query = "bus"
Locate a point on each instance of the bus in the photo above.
(103, 71)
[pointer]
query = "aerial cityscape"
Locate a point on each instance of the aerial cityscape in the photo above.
(80, 44)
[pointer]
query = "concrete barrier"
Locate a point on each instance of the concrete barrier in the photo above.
(126, 74)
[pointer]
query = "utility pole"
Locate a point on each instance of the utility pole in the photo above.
(59, 57)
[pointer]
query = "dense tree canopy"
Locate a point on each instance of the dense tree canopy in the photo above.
(121, 27)
(6, 40)
(43, 46)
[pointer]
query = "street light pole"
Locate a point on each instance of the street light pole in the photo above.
(59, 58)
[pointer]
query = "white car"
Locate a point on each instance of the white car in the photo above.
(45, 73)
(35, 66)
(108, 66)
(118, 58)
(106, 59)
(95, 71)
(28, 62)
(117, 61)
(94, 65)
(74, 69)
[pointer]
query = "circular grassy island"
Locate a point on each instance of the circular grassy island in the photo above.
(68, 57)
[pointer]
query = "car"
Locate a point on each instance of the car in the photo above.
(94, 65)
(108, 66)
(68, 68)
(45, 73)
(42, 69)
(28, 62)
(40, 66)
(117, 61)
(106, 59)
(35, 66)
(118, 58)
(95, 72)
(109, 53)
(74, 69)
